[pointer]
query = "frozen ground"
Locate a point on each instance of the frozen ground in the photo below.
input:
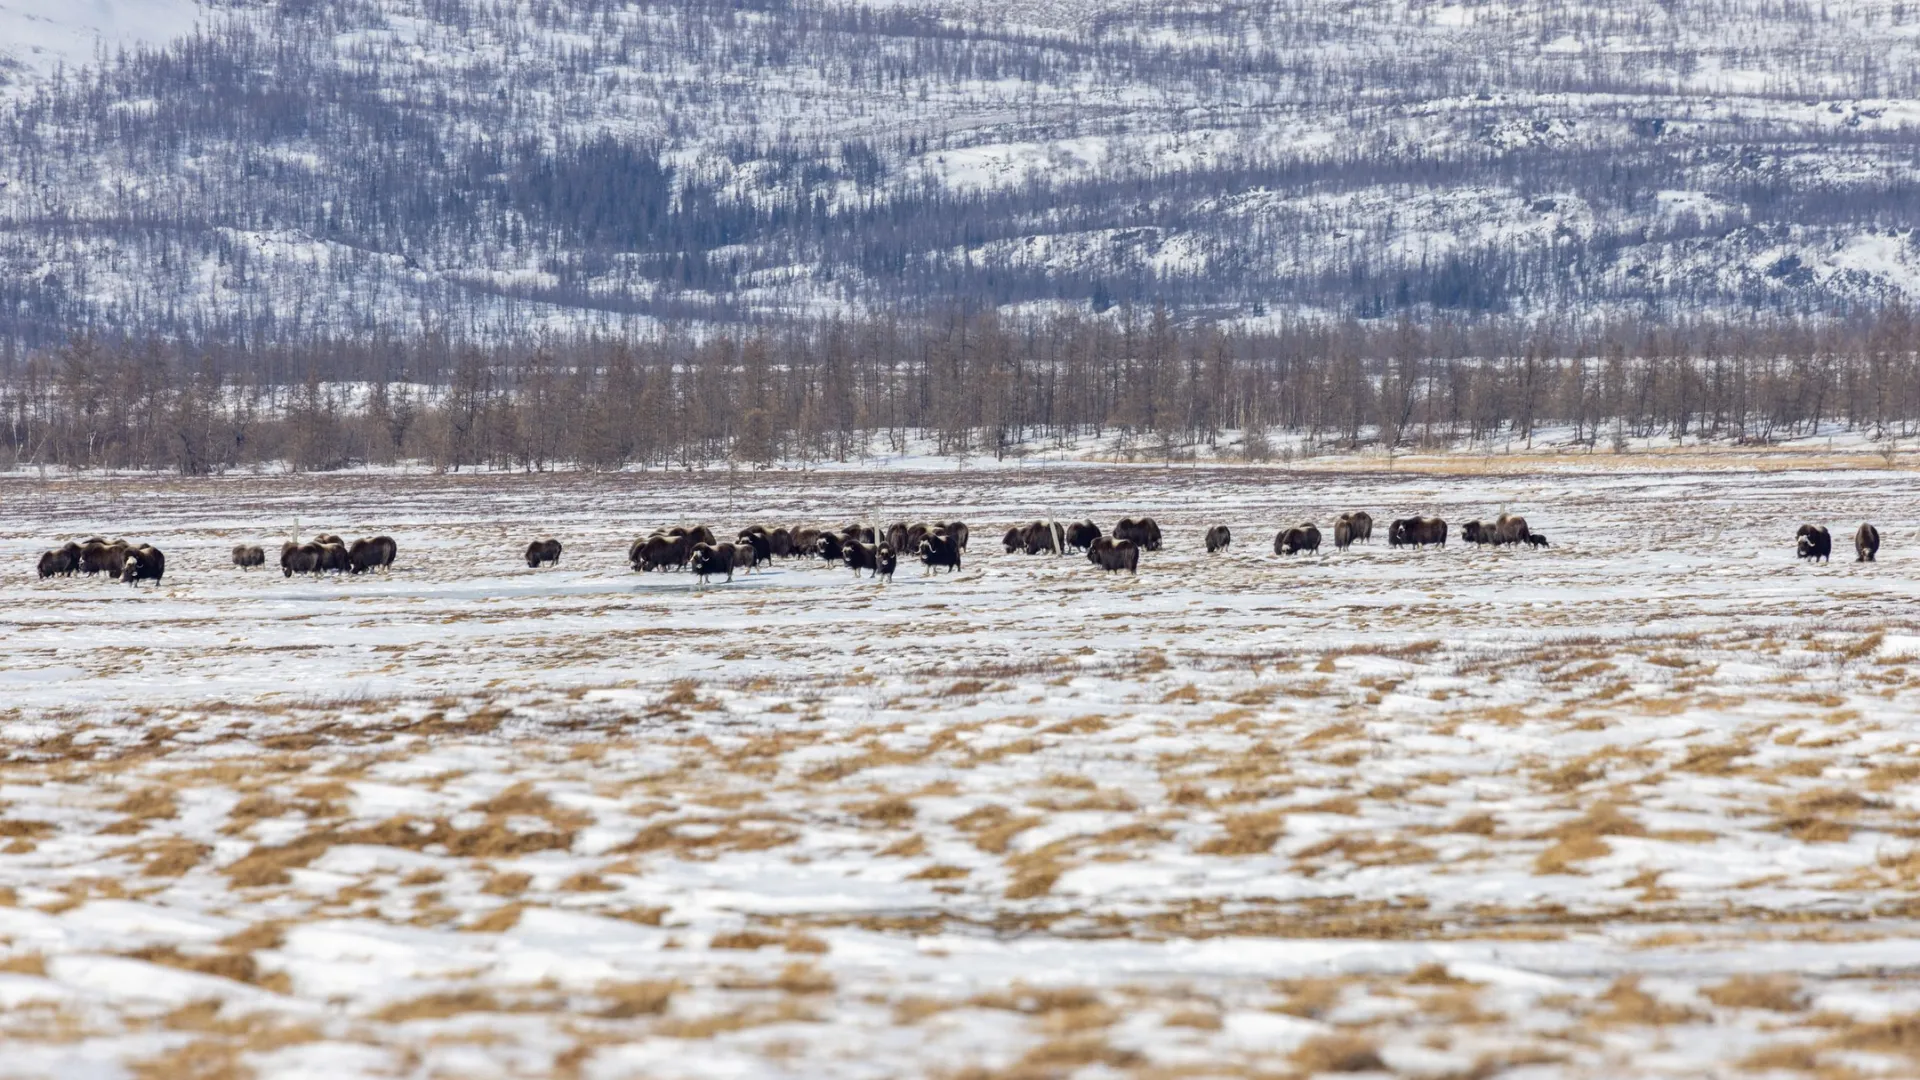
(1641, 804)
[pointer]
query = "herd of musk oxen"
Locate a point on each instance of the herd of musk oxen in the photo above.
(937, 545)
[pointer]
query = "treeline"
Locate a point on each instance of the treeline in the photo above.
(972, 384)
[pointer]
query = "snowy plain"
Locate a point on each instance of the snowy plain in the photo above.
(1641, 803)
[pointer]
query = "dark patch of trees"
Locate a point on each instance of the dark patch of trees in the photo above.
(971, 384)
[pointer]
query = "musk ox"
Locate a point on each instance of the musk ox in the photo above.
(543, 553)
(758, 547)
(1304, 537)
(1473, 532)
(780, 542)
(1015, 540)
(335, 558)
(745, 557)
(956, 531)
(659, 552)
(1144, 532)
(248, 556)
(1362, 525)
(1342, 532)
(1041, 537)
(937, 551)
(1111, 553)
(898, 533)
(1421, 531)
(1510, 529)
(301, 559)
(806, 541)
(363, 556)
(1081, 535)
(1538, 540)
(97, 556)
(144, 563)
(60, 562)
(1814, 542)
(856, 531)
(1218, 538)
(828, 547)
(1866, 543)
(710, 559)
(875, 558)
(700, 534)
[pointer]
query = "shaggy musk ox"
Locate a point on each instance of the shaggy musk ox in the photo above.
(955, 531)
(1040, 537)
(335, 558)
(745, 557)
(543, 553)
(1362, 526)
(1501, 531)
(828, 547)
(862, 533)
(710, 559)
(377, 554)
(1218, 538)
(248, 556)
(659, 552)
(1342, 532)
(937, 551)
(62, 561)
(1537, 539)
(1144, 532)
(363, 556)
(1417, 531)
(1814, 542)
(97, 556)
(876, 558)
(1081, 535)
(1111, 553)
(760, 539)
(1015, 540)
(1298, 538)
(857, 556)
(780, 542)
(144, 563)
(758, 546)
(299, 558)
(1866, 543)
(1510, 529)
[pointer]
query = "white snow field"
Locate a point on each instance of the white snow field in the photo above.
(1642, 803)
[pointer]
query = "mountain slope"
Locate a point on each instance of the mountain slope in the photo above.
(487, 168)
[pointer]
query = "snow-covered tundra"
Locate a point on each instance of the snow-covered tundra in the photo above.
(1639, 803)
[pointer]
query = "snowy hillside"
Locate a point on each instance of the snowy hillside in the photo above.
(486, 167)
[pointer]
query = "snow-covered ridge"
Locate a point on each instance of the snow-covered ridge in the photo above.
(490, 169)
(38, 36)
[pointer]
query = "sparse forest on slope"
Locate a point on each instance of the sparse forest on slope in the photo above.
(481, 169)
